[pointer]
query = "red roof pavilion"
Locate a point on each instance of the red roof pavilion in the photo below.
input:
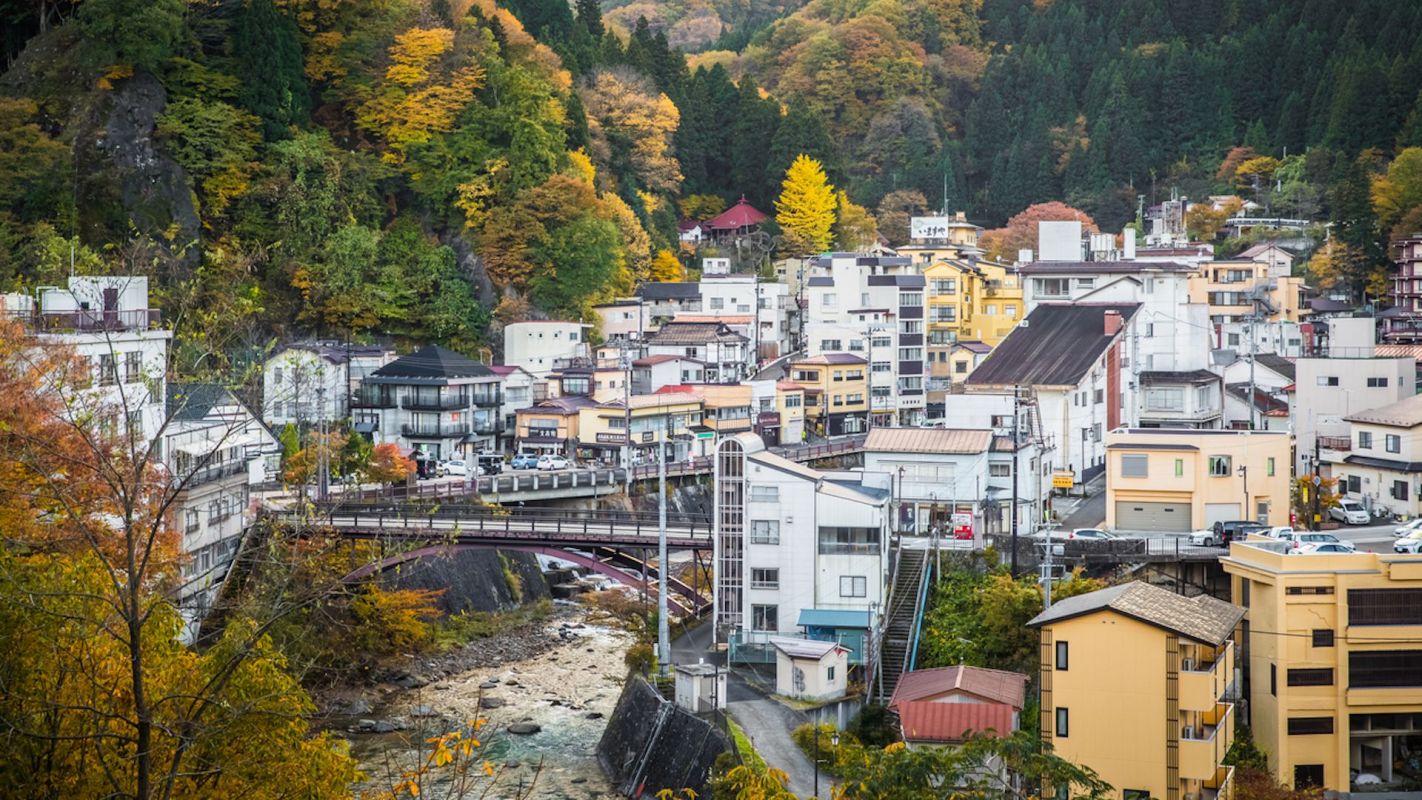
(740, 215)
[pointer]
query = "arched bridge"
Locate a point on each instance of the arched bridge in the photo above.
(614, 543)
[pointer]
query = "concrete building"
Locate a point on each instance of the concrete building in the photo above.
(433, 400)
(1327, 390)
(1185, 480)
(1237, 289)
(724, 353)
(1405, 325)
(651, 373)
(806, 669)
(1137, 684)
(107, 322)
(304, 383)
(791, 541)
(766, 305)
(876, 301)
(836, 388)
(662, 301)
(971, 300)
(1280, 259)
(670, 419)
(519, 389)
(1332, 653)
(539, 345)
(1072, 357)
(551, 426)
(213, 450)
(1379, 462)
(623, 320)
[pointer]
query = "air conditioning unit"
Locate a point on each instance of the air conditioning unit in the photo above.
(1187, 664)
(1187, 733)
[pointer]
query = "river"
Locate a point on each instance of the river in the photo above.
(568, 690)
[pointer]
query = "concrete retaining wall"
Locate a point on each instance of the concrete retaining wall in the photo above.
(650, 744)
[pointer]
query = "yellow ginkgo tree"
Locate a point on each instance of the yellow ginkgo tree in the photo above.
(805, 208)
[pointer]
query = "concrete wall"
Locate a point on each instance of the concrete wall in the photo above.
(650, 744)
(474, 580)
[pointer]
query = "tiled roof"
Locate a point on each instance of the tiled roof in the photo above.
(1191, 376)
(944, 441)
(694, 333)
(1054, 346)
(1405, 413)
(740, 215)
(1263, 401)
(433, 362)
(980, 348)
(669, 290)
(952, 722)
(1277, 363)
(1202, 618)
(193, 401)
(563, 406)
(729, 319)
(993, 685)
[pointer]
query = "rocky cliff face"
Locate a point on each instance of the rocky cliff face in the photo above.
(475, 580)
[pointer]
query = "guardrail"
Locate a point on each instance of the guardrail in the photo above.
(550, 526)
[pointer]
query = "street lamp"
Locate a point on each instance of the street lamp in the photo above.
(1243, 472)
(834, 742)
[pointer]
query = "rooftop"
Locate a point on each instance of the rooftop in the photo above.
(993, 685)
(1264, 402)
(1197, 376)
(831, 358)
(941, 441)
(1405, 413)
(947, 723)
(337, 352)
(682, 334)
(430, 363)
(1093, 267)
(1202, 618)
(740, 215)
(1277, 363)
(669, 290)
(1054, 346)
(805, 648)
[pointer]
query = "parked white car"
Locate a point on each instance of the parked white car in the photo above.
(548, 463)
(1204, 538)
(1308, 537)
(457, 466)
(1278, 532)
(1411, 543)
(1324, 548)
(1411, 527)
(1350, 512)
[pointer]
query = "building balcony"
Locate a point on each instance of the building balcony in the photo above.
(435, 403)
(89, 320)
(1206, 674)
(1340, 444)
(212, 472)
(372, 400)
(444, 430)
(1203, 746)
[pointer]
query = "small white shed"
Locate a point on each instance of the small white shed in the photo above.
(810, 670)
(700, 687)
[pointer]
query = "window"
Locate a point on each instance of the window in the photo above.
(132, 367)
(1099, 396)
(1323, 637)
(1053, 287)
(1269, 467)
(1385, 606)
(829, 300)
(945, 285)
(910, 298)
(838, 376)
(846, 540)
(765, 493)
(1220, 466)
(1135, 466)
(765, 578)
(1063, 717)
(853, 586)
(881, 366)
(765, 531)
(765, 618)
(911, 326)
(1377, 383)
(1365, 440)
(829, 346)
(829, 674)
(999, 470)
(191, 520)
(1165, 399)
(1234, 340)
(1085, 283)
(1399, 490)
(1136, 794)
(960, 368)
(276, 374)
(1179, 467)
(1062, 652)
(1273, 680)
(108, 370)
(910, 353)
(1383, 668)
(1327, 380)
(1301, 726)
(718, 303)
(990, 310)
(1355, 484)
(1393, 443)
(1316, 590)
(1310, 677)
(1010, 311)
(1308, 776)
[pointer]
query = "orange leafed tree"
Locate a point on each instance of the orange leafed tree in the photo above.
(1021, 230)
(387, 465)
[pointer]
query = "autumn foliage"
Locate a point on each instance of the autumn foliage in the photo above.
(1021, 230)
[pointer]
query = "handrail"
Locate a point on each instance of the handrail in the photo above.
(919, 607)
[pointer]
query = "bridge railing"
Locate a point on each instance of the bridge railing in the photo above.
(537, 523)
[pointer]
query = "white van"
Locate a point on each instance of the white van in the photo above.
(1350, 512)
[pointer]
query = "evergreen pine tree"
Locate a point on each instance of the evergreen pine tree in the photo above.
(590, 15)
(756, 119)
(269, 66)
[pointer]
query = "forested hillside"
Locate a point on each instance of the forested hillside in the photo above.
(418, 168)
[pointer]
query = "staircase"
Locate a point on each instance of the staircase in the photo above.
(901, 621)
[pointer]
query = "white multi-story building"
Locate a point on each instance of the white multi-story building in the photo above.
(433, 400)
(107, 322)
(766, 304)
(541, 346)
(791, 541)
(723, 353)
(305, 383)
(872, 306)
(519, 390)
(213, 449)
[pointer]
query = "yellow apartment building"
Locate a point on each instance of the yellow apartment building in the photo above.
(1332, 650)
(976, 300)
(1177, 479)
(790, 404)
(551, 425)
(1136, 684)
(1224, 286)
(655, 418)
(836, 392)
(727, 406)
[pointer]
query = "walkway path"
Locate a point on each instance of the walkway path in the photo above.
(768, 724)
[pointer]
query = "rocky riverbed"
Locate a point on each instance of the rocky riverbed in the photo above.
(545, 688)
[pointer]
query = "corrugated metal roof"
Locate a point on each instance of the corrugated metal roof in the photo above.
(833, 618)
(1054, 346)
(995, 685)
(925, 721)
(805, 648)
(946, 441)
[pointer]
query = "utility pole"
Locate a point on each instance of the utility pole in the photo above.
(1317, 520)
(1047, 569)
(323, 456)
(1244, 473)
(663, 628)
(1015, 444)
(626, 356)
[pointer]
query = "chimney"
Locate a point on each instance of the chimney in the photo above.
(1112, 320)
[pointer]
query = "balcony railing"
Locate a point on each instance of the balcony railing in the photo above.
(1205, 678)
(212, 472)
(444, 430)
(1339, 443)
(86, 320)
(372, 400)
(435, 402)
(1203, 747)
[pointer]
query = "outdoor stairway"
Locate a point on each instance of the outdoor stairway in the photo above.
(902, 619)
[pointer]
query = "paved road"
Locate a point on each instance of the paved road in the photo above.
(1375, 538)
(768, 724)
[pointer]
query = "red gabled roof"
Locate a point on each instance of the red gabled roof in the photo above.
(926, 721)
(740, 215)
(992, 685)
